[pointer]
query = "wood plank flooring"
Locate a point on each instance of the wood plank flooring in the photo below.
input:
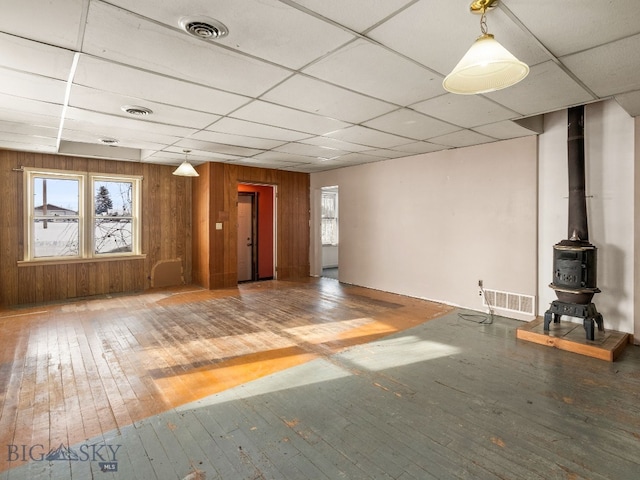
(71, 372)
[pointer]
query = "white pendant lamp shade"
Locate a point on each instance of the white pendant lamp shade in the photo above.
(186, 170)
(486, 67)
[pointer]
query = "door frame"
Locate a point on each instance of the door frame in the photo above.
(274, 189)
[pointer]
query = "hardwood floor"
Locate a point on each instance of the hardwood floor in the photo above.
(70, 372)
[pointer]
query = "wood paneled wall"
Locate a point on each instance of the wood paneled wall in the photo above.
(216, 201)
(166, 233)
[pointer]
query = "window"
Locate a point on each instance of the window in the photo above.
(73, 215)
(329, 218)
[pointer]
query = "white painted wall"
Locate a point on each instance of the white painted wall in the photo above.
(609, 153)
(430, 226)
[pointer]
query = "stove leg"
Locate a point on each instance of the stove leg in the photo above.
(547, 319)
(600, 322)
(589, 328)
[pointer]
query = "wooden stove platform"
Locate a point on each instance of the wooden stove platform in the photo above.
(569, 336)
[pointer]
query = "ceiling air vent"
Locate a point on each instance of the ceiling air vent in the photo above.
(203, 27)
(109, 141)
(136, 110)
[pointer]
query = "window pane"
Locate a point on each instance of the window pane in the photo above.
(56, 237)
(113, 198)
(113, 235)
(55, 197)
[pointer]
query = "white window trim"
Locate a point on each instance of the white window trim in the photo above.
(335, 219)
(86, 216)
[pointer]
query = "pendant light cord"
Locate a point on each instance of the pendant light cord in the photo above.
(483, 21)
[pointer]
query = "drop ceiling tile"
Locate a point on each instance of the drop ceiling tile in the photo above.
(321, 98)
(504, 130)
(78, 119)
(56, 23)
(35, 87)
(251, 129)
(358, 15)
(32, 57)
(373, 70)
(630, 102)
(269, 113)
(336, 144)
(29, 130)
(267, 29)
(28, 144)
(547, 88)
(21, 139)
(386, 153)
(217, 148)
(128, 81)
(425, 29)
(462, 138)
(357, 158)
(310, 150)
(588, 25)
(278, 158)
(109, 103)
(88, 137)
(14, 107)
(176, 156)
(411, 124)
(367, 136)
(47, 116)
(154, 47)
(420, 147)
(609, 69)
(240, 140)
(464, 110)
(308, 168)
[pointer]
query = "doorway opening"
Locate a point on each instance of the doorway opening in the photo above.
(256, 232)
(329, 231)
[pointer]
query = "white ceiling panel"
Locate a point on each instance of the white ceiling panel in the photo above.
(426, 27)
(462, 138)
(297, 40)
(100, 101)
(419, 147)
(35, 87)
(29, 56)
(149, 46)
(78, 119)
(368, 136)
(217, 148)
(116, 78)
(504, 130)
(335, 144)
(546, 86)
(318, 97)
(630, 102)
(617, 66)
(251, 129)
(373, 70)
(295, 79)
(586, 24)
(357, 15)
(411, 124)
(464, 110)
(230, 139)
(310, 150)
(56, 23)
(268, 113)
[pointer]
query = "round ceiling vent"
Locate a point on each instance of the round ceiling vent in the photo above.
(204, 27)
(136, 110)
(109, 141)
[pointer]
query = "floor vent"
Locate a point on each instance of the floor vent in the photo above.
(513, 302)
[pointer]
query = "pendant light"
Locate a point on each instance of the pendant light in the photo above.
(186, 169)
(487, 66)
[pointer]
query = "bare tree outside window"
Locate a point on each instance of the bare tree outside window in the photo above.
(113, 220)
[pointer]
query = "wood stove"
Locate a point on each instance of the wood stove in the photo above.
(575, 259)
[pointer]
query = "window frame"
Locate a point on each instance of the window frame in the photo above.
(332, 219)
(86, 216)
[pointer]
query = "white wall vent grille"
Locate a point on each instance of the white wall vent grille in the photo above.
(513, 302)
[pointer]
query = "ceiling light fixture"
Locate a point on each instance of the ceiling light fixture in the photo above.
(487, 66)
(186, 169)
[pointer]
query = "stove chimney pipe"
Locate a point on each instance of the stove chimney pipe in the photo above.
(578, 230)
